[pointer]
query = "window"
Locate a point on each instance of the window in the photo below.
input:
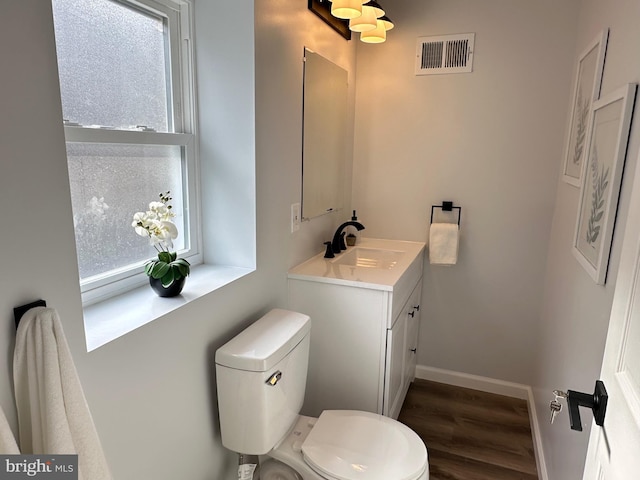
(126, 87)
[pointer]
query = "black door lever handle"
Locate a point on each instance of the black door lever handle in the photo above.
(596, 401)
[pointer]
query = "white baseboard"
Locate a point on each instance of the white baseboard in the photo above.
(499, 387)
(475, 382)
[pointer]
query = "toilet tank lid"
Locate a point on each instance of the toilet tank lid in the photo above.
(264, 343)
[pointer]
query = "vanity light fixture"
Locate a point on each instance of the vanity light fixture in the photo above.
(365, 16)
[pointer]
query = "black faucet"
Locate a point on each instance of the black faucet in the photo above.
(337, 245)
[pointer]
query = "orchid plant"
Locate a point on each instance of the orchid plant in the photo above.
(156, 225)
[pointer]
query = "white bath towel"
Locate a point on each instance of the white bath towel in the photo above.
(443, 243)
(8, 445)
(53, 416)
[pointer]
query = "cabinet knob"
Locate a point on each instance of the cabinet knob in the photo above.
(411, 314)
(414, 350)
(416, 307)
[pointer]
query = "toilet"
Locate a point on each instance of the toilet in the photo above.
(261, 377)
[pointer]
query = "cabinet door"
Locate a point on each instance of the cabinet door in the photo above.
(394, 377)
(413, 330)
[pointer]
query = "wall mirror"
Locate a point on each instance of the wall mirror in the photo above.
(324, 143)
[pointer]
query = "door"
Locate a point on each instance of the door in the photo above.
(394, 367)
(614, 449)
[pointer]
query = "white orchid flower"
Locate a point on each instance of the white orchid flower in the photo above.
(155, 224)
(166, 232)
(141, 224)
(160, 209)
(138, 217)
(170, 229)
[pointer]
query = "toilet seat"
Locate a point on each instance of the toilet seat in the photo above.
(353, 445)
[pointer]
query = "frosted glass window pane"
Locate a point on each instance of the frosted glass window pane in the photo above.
(111, 182)
(112, 64)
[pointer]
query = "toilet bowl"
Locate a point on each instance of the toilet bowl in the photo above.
(261, 378)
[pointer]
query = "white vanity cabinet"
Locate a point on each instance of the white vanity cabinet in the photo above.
(401, 350)
(364, 327)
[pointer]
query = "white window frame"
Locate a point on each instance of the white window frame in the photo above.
(179, 20)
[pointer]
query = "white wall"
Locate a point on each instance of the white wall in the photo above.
(575, 313)
(488, 141)
(152, 392)
(34, 184)
(284, 28)
(491, 141)
(227, 143)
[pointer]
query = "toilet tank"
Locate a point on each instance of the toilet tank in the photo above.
(261, 376)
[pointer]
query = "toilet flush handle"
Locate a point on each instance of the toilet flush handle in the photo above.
(273, 379)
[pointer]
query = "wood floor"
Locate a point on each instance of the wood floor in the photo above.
(471, 435)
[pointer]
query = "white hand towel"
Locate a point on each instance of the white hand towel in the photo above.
(443, 243)
(8, 445)
(53, 415)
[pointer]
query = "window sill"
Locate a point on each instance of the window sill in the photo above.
(117, 316)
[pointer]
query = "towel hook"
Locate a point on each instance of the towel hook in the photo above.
(447, 206)
(18, 312)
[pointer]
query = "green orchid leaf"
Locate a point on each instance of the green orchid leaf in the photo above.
(168, 278)
(181, 266)
(183, 271)
(160, 269)
(165, 257)
(148, 267)
(181, 261)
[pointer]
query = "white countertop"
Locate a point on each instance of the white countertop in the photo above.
(329, 270)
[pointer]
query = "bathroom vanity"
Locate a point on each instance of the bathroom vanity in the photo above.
(365, 310)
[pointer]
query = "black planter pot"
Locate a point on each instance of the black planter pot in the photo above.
(172, 290)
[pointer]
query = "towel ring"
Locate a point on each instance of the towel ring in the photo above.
(447, 207)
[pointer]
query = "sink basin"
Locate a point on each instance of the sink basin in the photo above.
(373, 263)
(369, 258)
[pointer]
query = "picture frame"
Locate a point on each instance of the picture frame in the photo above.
(586, 90)
(601, 180)
(322, 8)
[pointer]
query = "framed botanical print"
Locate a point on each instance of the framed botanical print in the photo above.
(586, 90)
(606, 148)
